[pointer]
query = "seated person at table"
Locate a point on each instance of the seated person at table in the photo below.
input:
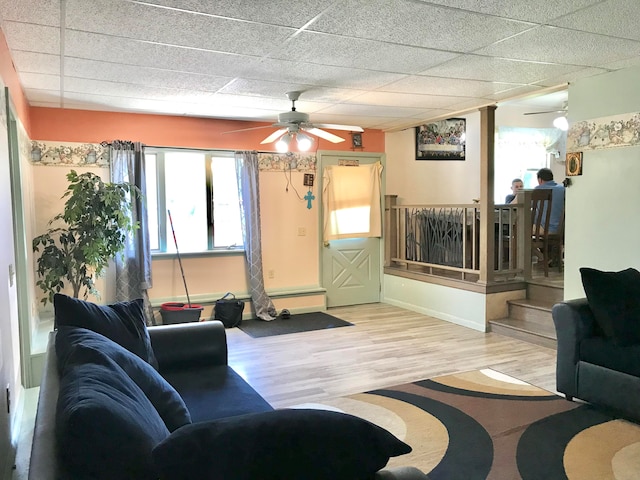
(516, 186)
(545, 180)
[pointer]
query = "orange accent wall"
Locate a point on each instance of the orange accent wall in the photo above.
(10, 78)
(65, 125)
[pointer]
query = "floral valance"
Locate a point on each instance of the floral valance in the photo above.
(96, 154)
(605, 132)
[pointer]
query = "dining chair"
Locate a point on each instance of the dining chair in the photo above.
(556, 245)
(540, 213)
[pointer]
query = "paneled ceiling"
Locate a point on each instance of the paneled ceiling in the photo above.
(385, 64)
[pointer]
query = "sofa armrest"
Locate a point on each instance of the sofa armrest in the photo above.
(192, 344)
(574, 322)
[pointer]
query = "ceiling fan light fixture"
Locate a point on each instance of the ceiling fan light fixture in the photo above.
(304, 142)
(561, 123)
(282, 145)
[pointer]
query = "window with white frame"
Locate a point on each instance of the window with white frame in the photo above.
(192, 200)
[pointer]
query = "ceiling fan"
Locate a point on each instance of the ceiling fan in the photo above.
(295, 124)
(560, 121)
(561, 110)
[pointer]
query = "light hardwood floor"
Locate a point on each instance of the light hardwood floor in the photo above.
(387, 346)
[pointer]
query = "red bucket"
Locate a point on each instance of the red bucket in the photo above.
(175, 312)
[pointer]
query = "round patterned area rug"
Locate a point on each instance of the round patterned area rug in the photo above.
(486, 425)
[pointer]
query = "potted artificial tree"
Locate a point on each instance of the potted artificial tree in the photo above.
(80, 242)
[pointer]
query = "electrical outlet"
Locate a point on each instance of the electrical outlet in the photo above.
(302, 231)
(271, 274)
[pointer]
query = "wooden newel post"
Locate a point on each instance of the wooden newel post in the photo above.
(487, 217)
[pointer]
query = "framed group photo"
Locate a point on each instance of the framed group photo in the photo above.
(442, 140)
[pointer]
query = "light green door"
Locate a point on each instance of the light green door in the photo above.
(351, 268)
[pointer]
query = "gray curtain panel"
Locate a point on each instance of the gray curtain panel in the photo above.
(249, 193)
(133, 268)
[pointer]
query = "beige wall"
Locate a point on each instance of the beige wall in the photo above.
(603, 224)
(433, 182)
(293, 259)
(49, 184)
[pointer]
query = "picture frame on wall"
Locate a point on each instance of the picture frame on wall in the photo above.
(573, 164)
(442, 140)
(356, 140)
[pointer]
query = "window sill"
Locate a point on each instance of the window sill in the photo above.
(206, 254)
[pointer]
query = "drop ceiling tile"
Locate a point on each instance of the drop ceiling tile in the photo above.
(364, 121)
(36, 103)
(32, 38)
(405, 99)
(620, 64)
(538, 12)
(470, 104)
(268, 107)
(131, 91)
(399, 124)
(276, 91)
(109, 103)
(367, 47)
(154, 77)
(445, 86)
(565, 79)
(578, 48)
(415, 23)
(370, 110)
(322, 75)
(40, 81)
(132, 52)
(492, 69)
(31, 11)
(30, 62)
(506, 94)
(116, 103)
(43, 96)
(542, 102)
(339, 51)
(617, 18)
(264, 90)
(275, 12)
(173, 27)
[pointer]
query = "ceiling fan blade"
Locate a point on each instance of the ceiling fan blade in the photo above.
(274, 135)
(322, 134)
(549, 111)
(247, 129)
(332, 126)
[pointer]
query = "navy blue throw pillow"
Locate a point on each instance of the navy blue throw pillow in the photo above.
(614, 299)
(106, 427)
(282, 444)
(122, 322)
(76, 346)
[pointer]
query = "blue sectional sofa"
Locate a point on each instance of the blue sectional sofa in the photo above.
(119, 400)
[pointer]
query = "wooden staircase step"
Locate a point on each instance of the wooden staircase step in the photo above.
(534, 311)
(530, 319)
(545, 292)
(526, 330)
